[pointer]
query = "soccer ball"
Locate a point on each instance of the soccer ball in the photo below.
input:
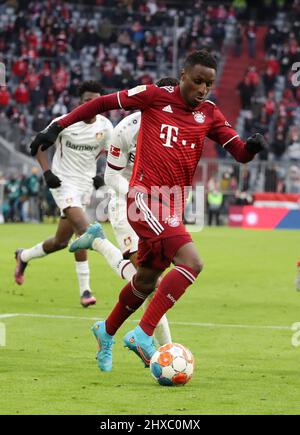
(172, 364)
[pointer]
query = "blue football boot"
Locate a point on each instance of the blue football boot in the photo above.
(85, 241)
(105, 343)
(141, 344)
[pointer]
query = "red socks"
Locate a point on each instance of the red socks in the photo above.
(171, 288)
(130, 299)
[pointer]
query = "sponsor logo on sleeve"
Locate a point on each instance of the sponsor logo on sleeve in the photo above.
(136, 90)
(114, 151)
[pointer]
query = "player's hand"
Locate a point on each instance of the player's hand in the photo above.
(46, 138)
(52, 180)
(98, 181)
(256, 143)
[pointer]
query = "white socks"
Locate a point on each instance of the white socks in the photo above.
(126, 270)
(114, 258)
(83, 275)
(36, 251)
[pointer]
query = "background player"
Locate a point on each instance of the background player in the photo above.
(174, 124)
(71, 181)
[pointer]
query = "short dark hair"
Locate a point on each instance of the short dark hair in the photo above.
(90, 86)
(202, 57)
(167, 81)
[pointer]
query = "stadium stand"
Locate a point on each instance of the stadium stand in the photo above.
(49, 46)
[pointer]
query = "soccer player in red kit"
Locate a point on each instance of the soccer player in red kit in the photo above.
(174, 124)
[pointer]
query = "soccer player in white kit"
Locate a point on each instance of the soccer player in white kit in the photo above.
(71, 181)
(120, 161)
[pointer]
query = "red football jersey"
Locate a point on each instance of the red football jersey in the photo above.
(171, 136)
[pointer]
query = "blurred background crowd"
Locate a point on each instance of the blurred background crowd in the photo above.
(48, 47)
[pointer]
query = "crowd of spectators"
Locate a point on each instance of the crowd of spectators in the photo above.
(270, 96)
(26, 198)
(50, 46)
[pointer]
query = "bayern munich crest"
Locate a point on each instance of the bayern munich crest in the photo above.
(199, 117)
(173, 221)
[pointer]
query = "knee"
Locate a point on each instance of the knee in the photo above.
(144, 284)
(195, 264)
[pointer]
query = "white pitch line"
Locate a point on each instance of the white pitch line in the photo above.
(6, 316)
(204, 325)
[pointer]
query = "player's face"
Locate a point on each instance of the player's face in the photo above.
(88, 96)
(195, 84)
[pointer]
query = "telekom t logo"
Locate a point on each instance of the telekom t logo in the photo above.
(168, 135)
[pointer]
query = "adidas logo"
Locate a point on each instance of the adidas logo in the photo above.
(167, 109)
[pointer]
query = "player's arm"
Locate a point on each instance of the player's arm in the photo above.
(222, 133)
(137, 98)
(51, 179)
(117, 160)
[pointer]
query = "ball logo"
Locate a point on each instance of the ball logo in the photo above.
(99, 135)
(199, 117)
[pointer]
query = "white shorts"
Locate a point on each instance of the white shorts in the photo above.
(68, 195)
(126, 237)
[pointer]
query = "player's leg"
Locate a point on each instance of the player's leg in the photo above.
(57, 242)
(128, 242)
(162, 332)
(83, 276)
(126, 237)
(131, 298)
(94, 238)
(173, 285)
(78, 221)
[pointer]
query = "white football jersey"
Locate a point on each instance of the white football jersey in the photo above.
(77, 150)
(122, 151)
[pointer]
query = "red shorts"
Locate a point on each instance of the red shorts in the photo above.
(160, 234)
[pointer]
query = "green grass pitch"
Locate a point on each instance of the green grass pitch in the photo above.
(236, 319)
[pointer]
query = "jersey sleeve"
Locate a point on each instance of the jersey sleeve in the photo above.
(108, 136)
(118, 155)
(221, 131)
(138, 98)
(58, 139)
(226, 136)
